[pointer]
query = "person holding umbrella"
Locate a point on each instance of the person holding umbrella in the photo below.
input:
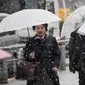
(44, 49)
(77, 55)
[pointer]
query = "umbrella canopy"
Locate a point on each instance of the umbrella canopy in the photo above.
(82, 29)
(74, 19)
(4, 54)
(27, 18)
(3, 14)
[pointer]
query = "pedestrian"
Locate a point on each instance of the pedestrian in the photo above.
(77, 55)
(82, 61)
(44, 49)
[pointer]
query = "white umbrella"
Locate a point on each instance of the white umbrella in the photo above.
(27, 18)
(82, 29)
(70, 22)
(3, 14)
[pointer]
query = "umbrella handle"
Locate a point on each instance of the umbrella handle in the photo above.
(28, 32)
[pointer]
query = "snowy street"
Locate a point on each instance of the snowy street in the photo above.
(66, 78)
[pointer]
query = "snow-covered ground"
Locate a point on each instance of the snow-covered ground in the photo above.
(66, 78)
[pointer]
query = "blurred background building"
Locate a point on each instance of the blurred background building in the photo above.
(61, 8)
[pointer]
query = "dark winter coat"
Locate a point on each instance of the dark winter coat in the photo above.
(82, 54)
(48, 54)
(74, 52)
(46, 51)
(11, 6)
(77, 52)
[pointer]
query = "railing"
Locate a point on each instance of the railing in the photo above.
(8, 69)
(12, 64)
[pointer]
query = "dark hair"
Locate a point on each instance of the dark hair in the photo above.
(45, 25)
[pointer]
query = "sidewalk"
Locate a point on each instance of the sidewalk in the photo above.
(66, 78)
(13, 81)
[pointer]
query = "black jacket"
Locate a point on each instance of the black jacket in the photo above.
(74, 51)
(82, 53)
(46, 51)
